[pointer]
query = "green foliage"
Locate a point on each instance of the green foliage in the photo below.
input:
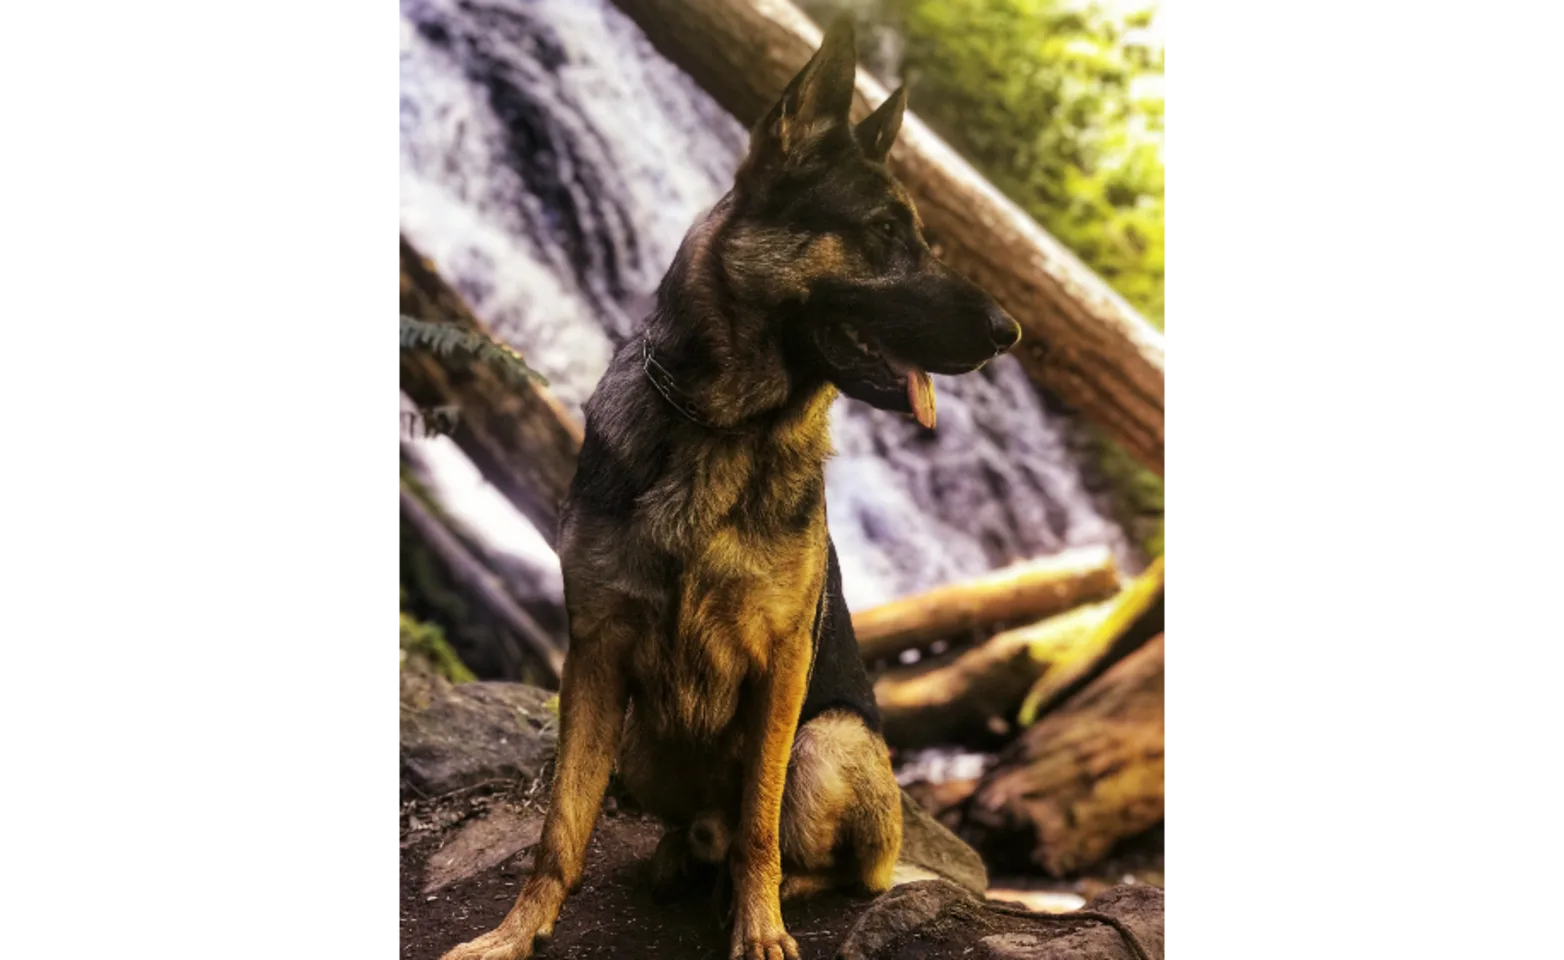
(1059, 104)
(444, 339)
(424, 647)
(431, 606)
(1047, 99)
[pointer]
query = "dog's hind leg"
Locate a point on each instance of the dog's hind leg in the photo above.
(876, 839)
(671, 864)
(592, 701)
(686, 854)
(841, 811)
(797, 885)
(710, 837)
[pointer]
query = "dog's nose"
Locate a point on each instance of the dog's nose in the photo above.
(1002, 330)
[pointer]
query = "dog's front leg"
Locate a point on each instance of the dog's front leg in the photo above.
(592, 701)
(772, 720)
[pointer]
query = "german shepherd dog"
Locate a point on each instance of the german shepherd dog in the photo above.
(710, 648)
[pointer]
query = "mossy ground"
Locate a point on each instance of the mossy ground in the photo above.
(425, 648)
(430, 595)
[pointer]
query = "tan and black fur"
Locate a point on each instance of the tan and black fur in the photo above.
(708, 654)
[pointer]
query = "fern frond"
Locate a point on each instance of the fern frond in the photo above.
(444, 339)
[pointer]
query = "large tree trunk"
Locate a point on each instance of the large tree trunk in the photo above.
(1020, 593)
(1082, 341)
(519, 437)
(1084, 777)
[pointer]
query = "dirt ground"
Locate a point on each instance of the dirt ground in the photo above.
(614, 914)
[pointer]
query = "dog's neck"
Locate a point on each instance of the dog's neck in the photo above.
(717, 360)
(647, 470)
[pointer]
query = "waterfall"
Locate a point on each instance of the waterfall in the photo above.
(551, 163)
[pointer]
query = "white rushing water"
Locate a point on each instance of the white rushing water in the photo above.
(551, 162)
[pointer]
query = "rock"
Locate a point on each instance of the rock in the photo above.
(927, 844)
(922, 909)
(947, 921)
(1010, 946)
(1070, 936)
(460, 735)
(481, 845)
(1140, 907)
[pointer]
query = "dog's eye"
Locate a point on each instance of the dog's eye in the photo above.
(887, 228)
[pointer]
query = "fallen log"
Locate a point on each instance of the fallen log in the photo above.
(1134, 617)
(977, 696)
(517, 435)
(1083, 778)
(478, 581)
(972, 698)
(1082, 340)
(1020, 593)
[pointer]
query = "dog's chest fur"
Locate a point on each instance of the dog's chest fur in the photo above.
(697, 552)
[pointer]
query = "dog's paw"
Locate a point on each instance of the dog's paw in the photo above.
(770, 943)
(513, 938)
(498, 944)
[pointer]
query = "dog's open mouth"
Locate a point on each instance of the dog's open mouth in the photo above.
(865, 370)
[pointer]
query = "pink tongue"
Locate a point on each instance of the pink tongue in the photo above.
(920, 393)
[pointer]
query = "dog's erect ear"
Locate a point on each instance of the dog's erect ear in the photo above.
(878, 130)
(819, 97)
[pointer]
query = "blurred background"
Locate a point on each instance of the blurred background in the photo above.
(1004, 570)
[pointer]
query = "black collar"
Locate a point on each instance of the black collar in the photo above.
(678, 399)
